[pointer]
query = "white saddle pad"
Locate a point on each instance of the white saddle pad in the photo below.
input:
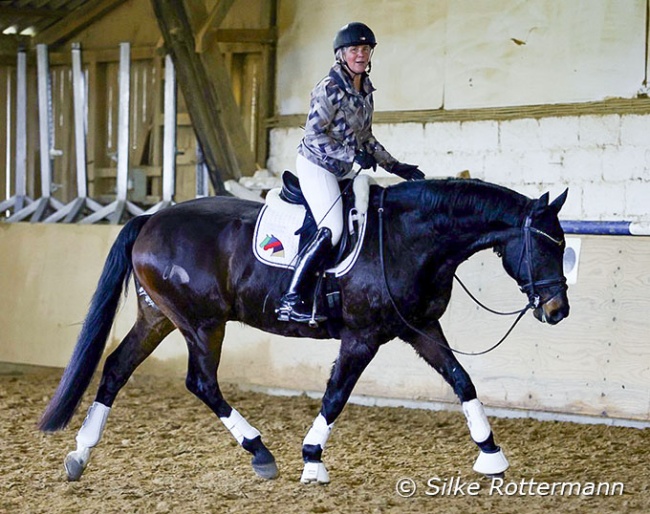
(275, 242)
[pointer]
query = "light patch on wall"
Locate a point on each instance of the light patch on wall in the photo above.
(571, 259)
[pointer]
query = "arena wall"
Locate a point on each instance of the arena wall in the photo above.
(595, 363)
(532, 95)
(603, 160)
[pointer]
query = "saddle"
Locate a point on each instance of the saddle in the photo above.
(285, 225)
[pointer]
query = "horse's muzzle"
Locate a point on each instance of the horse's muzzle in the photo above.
(554, 309)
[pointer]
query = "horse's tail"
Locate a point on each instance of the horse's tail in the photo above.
(94, 333)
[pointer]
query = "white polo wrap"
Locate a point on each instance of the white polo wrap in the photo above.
(239, 427)
(479, 426)
(319, 432)
(93, 426)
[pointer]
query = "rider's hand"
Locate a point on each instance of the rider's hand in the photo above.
(407, 171)
(365, 160)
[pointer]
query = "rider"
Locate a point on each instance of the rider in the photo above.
(338, 133)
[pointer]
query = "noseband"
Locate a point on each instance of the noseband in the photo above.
(527, 254)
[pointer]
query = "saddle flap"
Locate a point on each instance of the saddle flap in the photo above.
(275, 241)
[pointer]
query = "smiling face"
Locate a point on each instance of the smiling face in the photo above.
(357, 57)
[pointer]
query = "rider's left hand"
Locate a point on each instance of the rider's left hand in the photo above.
(365, 160)
(407, 171)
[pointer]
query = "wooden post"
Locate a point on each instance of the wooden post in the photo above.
(199, 94)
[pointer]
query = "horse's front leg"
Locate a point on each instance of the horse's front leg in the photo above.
(435, 350)
(204, 345)
(353, 358)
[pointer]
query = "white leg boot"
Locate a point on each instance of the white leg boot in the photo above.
(316, 472)
(487, 463)
(87, 438)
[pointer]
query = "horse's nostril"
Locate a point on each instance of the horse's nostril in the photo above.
(554, 316)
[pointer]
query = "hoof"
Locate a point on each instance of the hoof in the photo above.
(268, 471)
(263, 461)
(491, 464)
(74, 465)
(315, 472)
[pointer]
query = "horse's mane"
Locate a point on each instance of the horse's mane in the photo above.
(450, 200)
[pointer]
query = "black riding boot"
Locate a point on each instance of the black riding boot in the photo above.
(292, 307)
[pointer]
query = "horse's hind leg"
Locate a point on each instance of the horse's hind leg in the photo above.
(204, 345)
(150, 328)
(435, 350)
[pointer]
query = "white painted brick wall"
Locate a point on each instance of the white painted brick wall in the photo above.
(520, 135)
(559, 133)
(603, 200)
(599, 130)
(637, 200)
(635, 130)
(603, 160)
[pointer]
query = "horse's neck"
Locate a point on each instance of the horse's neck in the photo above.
(470, 217)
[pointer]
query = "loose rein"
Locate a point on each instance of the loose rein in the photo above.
(533, 301)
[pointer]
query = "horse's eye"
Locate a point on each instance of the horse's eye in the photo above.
(498, 252)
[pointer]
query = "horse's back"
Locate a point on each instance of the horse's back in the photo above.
(214, 210)
(190, 246)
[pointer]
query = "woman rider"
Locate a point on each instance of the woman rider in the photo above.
(338, 133)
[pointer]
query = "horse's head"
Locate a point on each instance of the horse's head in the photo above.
(533, 256)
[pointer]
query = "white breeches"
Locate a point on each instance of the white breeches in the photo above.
(321, 190)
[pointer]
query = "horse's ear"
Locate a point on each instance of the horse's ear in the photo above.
(557, 204)
(541, 203)
(543, 200)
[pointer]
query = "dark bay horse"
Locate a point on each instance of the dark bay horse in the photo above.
(194, 270)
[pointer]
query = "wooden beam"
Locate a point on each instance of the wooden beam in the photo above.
(215, 18)
(263, 36)
(76, 21)
(32, 11)
(619, 106)
(104, 55)
(199, 94)
(218, 71)
(228, 110)
(9, 47)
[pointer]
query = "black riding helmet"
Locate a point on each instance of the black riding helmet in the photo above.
(354, 34)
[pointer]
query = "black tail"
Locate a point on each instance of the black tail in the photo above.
(94, 333)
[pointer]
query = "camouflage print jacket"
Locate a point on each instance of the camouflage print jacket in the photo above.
(340, 123)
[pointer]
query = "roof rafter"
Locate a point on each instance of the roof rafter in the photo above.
(77, 20)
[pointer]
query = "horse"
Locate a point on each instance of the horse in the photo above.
(194, 271)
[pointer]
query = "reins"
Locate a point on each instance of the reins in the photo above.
(534, 299)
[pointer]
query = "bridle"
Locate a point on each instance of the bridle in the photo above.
(534, 299)
(527, 254)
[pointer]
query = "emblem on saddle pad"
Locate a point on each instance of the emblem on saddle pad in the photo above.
(276, 243)
(273, 245)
